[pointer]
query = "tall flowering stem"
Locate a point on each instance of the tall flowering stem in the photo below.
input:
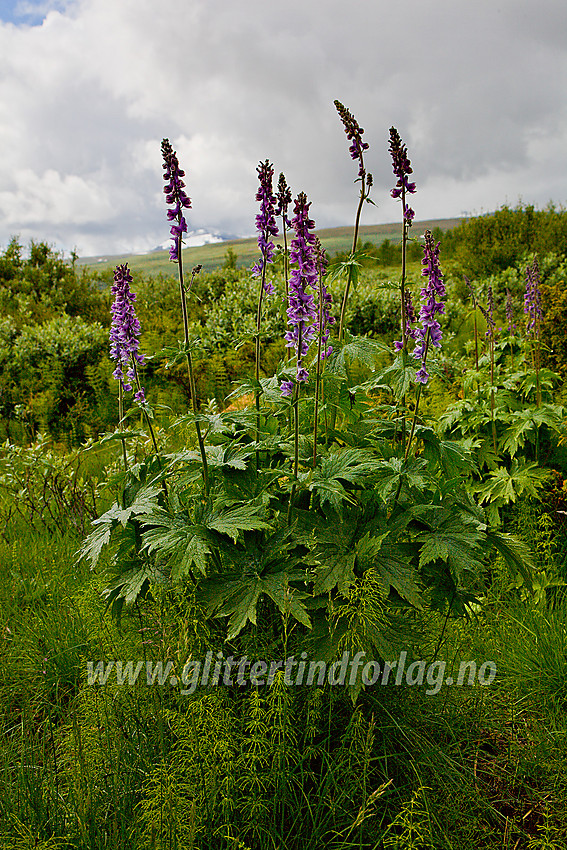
(301, 312)
(324, 321)
(511, 323)
(475, 307)
(354, 134)
(532, 308)
(402, 168)
(429, 334)
(175, 195)
(490, 326)
(267, 227)
(284, 199)
(124, 341)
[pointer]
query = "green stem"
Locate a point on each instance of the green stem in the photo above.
(121, 422)
(318, 372)
(418, 397)
(190, 363)
(286, 272)
(257, 357)
(492, 403)
(361, 200)
(149, 424)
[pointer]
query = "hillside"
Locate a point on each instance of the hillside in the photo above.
(334, 239)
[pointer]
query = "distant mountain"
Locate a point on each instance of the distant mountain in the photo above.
(194, 239)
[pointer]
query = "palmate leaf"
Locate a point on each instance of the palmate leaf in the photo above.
(225, 457)
(516, 553)
(452, 458)
(526, 422)
(184, 544)
(95, 542)
(459, 549)
(399, 377)
(144, 500)
(505, 486)
(335, 568)
(234, 520)
(341, 465)
(392, 565)
(356, 349)
(130, 586)
(389, 473)
(237, 597)
(331, 550)
(547, 380)
(187, 543)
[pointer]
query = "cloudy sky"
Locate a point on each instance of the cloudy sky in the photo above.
(88, 88)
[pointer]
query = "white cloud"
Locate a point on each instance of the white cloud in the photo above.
(476, 91)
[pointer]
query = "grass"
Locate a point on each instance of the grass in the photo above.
(141, 767)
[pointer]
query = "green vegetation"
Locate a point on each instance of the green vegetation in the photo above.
(432, 522)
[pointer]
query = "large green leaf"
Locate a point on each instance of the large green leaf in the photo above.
(178, 540)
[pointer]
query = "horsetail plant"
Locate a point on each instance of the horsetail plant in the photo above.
(175, 194)
(354, 134)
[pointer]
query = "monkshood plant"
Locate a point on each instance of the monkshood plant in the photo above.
(330, 502)
(511, 415)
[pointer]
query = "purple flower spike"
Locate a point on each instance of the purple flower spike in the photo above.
(125, 328)
(175, 195)
(354, 134)
(284, 199)
(401, 167)
(324, 311)
(265, 222)
(532, 298)
(430, 331)
(301, 312)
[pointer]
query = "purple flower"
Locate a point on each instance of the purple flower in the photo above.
(324, 318)
(301, 312)
(265, 223)
(175, 195)
(434, 289)
(422, 376)
(354, 134)
(287, 388)
(532, 298)
(471, 290)
(284, 200)
(402, 167)
(125, 328)
(411, 319)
